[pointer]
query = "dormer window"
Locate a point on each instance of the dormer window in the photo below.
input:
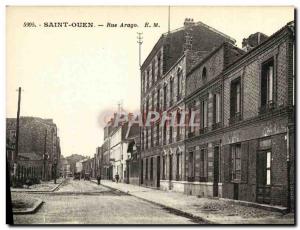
(204, 74)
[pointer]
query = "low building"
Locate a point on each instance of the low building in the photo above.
(37, 137)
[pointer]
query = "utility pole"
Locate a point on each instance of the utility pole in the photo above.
(140, 42)
(169, 9)
(17, 125)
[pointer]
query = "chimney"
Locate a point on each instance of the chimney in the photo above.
(253, 40)
(188, 29)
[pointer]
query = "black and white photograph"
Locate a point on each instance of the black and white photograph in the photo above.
(150, 115)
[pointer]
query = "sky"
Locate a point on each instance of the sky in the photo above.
(77, 76)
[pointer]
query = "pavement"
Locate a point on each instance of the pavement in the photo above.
(212, 211)
(44, 186)
(84, 202)
(25, 204)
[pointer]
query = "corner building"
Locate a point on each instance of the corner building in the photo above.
(163, 78)
(244, 147)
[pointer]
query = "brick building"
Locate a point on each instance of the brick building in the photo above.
(244, 147)
(163, 89)
(39, 145)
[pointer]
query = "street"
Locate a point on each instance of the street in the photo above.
(84, 202)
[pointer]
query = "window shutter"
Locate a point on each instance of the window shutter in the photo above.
(205, 164)
(232, 100)
(227, 163)
(244, 161)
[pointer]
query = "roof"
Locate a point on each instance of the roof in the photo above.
(206, 26)
(290, 25)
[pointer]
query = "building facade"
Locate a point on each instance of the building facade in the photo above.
(242, 146)
(38, 143)
(163, 76)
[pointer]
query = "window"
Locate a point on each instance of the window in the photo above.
(147, 107)
(216, 110)
(12, 135)
(164, 168)
(165, 97)
(236, 161)
(192, 119)
(177, 166)
(146, 138)
(268, 182)
(157, 134)
(191, 171)
(170, 167)
(203, 166)
(204, 74)
(158, 65)
(178, 125)
(171, 91)
(147, 77)
(157, 101)
(151, 135)
(165, 133)
(151, 168)
(143, 81)
(171, 134)
(204, 114)
(235, 99)
(153, 72)
(153, 109)
(146, 169)
(142, 140)
(179, 73)
(267, 80)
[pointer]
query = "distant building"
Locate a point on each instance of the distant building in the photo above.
(38, 142)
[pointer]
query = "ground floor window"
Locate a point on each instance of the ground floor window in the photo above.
(146, 169)
(236, 161)
(203, 165)
(164, 168)
(151, 168)
(191, 170)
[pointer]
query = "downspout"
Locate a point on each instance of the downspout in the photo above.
(288, 170)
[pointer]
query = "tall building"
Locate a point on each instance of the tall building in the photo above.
(163, 76)
(242, 101)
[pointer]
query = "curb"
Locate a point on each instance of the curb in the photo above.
(266, 207)
(32, 210)
(39, 191)
(174, 210)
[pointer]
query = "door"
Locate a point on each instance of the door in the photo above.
(127, 171)
(216, 172)
(158, 172)
(263, 177)
(170, 171)
(142, 170)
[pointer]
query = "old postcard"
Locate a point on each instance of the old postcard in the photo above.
(151, 115)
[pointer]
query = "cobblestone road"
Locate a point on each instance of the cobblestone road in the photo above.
(84, 202)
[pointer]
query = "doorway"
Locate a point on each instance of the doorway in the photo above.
(158, 172)
(216, 172)
(142, 170)
(263, 177)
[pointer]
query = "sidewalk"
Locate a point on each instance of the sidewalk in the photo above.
(44, 186)
(213, 211)
(24, 203)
